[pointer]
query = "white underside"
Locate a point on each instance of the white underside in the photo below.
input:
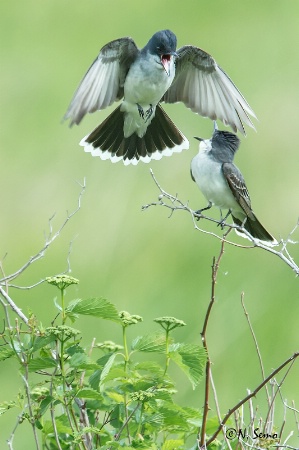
(210, 180)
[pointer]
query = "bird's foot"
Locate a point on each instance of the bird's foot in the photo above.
(140, 110)
(199, 211)
(222, 224)
(149, 113)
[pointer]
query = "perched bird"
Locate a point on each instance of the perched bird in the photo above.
(222, 183)
(139, 129)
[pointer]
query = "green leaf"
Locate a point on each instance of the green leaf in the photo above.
(89, 393)
(173, 444)
(107, 367)
(151, 367)
(41, 363)
(118, 398)
(94, 379)
(191, 359)
(174, 416)
(78, 360)
(44, 404)
(150, 343)
(42, 341)
(193, 416)
(62, 425)
(97, 307)
(5, 353)
(116, 373)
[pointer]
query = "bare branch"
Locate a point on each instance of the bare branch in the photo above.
(175, 204)
(13, 306)
(256, 345)
(250, 395)
(49, 239)
(215, 268)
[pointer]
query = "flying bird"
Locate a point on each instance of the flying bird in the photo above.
(223, 185)
(139, 129)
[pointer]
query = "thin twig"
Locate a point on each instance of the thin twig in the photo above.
(256, 345)
(218, 409)
(48, 241)
(215, 268)
(175, 204)
(13, 306)
(12, 435)
(252, 394)
(117, 436)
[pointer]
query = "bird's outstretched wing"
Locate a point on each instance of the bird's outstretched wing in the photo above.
(238, 187)
(104, 80)
(207, 90)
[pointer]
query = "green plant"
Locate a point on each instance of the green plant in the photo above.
(104, 397)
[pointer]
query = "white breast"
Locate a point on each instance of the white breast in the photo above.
(147, 81)
(210, 180)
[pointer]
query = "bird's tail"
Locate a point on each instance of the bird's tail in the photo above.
(162, 138)
(255, 229)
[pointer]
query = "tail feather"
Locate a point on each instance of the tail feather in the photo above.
(162, 138)
(255, 229)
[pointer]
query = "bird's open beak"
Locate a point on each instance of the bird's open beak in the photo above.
(198, 138)
(166, 60)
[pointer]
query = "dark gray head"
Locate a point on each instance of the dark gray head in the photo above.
(162, 43)
(222, 146)
(225, 143)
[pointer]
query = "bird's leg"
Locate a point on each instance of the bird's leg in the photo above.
(199, 211)
(149, 112)
(223, 219)
(140, 110)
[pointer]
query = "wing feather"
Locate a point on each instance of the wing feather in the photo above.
(207, 90)
(238, 187)
(103, 83)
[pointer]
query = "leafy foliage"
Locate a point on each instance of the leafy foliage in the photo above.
(110, 401)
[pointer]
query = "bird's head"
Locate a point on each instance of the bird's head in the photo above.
(163, 44)
(222, 142)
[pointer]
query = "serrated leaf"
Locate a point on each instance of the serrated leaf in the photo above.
(89, 393)
(44, 404)
(150, 343)
(118, 398)
(107, 367)
(62, 426)
(5, 353)
(149, 366)
(115, 373)
(78, 360)
(172, 444)
(94, 379)
(96, 307)
(42, 341)
(174, 416)
(193, 416)
(191, 359)
(41, 363)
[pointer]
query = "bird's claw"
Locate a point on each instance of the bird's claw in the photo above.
(140, 110)
(198, 214)
(221, 224)
(148, 113)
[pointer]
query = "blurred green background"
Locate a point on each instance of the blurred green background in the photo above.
(145, 262)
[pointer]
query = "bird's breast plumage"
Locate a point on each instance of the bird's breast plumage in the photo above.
(147, 81)
(209, 178)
